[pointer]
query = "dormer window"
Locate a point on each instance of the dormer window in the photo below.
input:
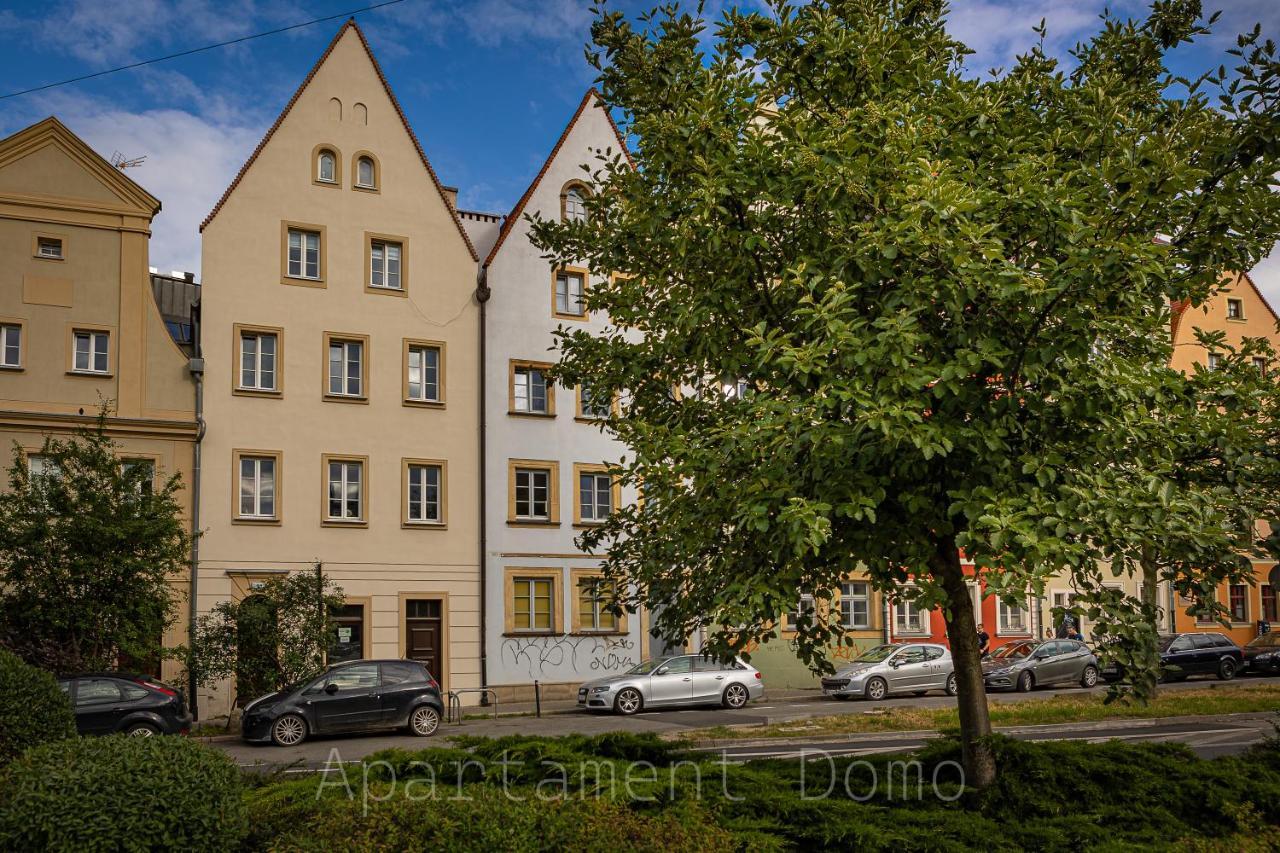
(1235, 309)
(366, 173)
(327, 167)
(574, 208)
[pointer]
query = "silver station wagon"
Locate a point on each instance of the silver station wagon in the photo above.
(675, 680)
(894, 668)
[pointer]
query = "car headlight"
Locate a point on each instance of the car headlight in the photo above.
(602, 689)
(1004, 671)
(1265, 656)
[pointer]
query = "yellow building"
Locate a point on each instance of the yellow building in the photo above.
(78, 322)
(341, 338)
(1241, 311)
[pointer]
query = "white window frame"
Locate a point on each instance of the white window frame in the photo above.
(531, 489)
(565, 294)
(347, 346)
(308, 242)
(1237, 304)
(1215, 361)
(589, 408)
(258, 359)
(589, 619)
(575, 211)
(332, 159)
(41, 465)
(848, 597)
(598, 512)
(257, 479)
(344, 480)
(56, 242)
(534, 584)
(11, 344)
(97, 346)
(421, 351)
(522, 395)
(417, 511)
(903, 610)
(804, 604)
(361, 162)
(382, 275)
(1003, 612)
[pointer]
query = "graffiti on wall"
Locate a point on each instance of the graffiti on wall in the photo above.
(552, 656)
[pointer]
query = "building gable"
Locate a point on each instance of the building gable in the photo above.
(351, 52)
(47, 160)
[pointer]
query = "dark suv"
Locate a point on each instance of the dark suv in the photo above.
(360, 695)
(1183, 655)
(139, 705)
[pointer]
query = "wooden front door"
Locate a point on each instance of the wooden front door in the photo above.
(424, 634)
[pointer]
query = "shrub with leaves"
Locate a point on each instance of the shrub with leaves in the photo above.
(122, 793)
(33, 709)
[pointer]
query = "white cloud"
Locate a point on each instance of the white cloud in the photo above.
(998, 31)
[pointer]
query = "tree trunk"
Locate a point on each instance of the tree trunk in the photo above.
(975, 723)
(1150, 577)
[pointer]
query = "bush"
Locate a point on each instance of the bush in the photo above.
(122, 793)
(33, 710)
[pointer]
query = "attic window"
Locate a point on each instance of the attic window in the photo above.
(327, 167)
(575, 209)
(366, 173)
(49, 247)
(1235, 309)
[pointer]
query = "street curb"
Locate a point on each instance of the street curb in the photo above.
(915, 734)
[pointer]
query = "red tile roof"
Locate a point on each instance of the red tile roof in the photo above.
(349, 25)
(514, 216)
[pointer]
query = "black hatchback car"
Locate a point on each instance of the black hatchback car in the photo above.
(1198, 653)
(1262, 655)
(360, 695)
(138, 705)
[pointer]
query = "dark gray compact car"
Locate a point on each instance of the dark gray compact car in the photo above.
(360, 695)
(1024, 665)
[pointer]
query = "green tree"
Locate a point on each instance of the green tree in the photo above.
(878, 311)
(274, 637)
(88, 545)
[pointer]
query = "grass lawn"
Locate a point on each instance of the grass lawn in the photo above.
(1218, 699)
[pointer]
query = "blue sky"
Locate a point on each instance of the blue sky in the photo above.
(487, 84)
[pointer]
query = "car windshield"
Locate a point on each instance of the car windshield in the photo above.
(1013, 651)
(875, 655)
(1265, 641)
(646, 667)
(1165, 642)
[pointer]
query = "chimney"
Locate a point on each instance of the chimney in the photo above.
(451, 193)
(189, 276)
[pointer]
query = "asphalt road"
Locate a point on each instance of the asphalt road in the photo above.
(1208, 736)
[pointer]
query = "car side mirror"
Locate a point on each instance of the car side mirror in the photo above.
(894, 664)
(662, 670)
(331, 688)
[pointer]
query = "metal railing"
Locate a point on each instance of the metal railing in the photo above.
(454, 712)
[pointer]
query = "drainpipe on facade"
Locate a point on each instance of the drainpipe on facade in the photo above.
(482, 296)
(196, 367)
(886, 633)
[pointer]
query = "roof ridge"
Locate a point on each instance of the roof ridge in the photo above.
(350, 24)
(514, 216)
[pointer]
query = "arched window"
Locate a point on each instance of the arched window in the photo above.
(327, 167)
(575, 208)
(366, 172)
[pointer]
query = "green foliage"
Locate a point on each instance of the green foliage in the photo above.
(270, 639)
(122, 793)
(1050, 796)
(33, 709)
(87, 550)
(945, 298)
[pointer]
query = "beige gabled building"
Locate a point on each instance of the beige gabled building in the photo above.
(341, 339)
(79, 326)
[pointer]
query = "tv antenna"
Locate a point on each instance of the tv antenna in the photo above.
(121, 162)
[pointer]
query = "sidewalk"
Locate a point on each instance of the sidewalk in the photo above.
(565, 706)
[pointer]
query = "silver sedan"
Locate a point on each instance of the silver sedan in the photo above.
(670, 681)
(894, 668)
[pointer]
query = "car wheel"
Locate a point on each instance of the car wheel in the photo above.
(1089, 678)
(629, 702)
(1227, 669)
(141, 730)
(735, 696)
(953, 687)
(289, 730)
(877, 688)
(424, 721)
(1025, 682)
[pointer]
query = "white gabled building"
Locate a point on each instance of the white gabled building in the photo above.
(545, 451)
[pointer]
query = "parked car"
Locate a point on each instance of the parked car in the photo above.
(1024, 665)
(360, 695)
(894, 668)
(670, 681)
(1184, 655)
(139, 705)
(1262, 655)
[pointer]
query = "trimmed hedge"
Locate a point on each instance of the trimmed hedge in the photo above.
(33, 710)
(122, 793)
